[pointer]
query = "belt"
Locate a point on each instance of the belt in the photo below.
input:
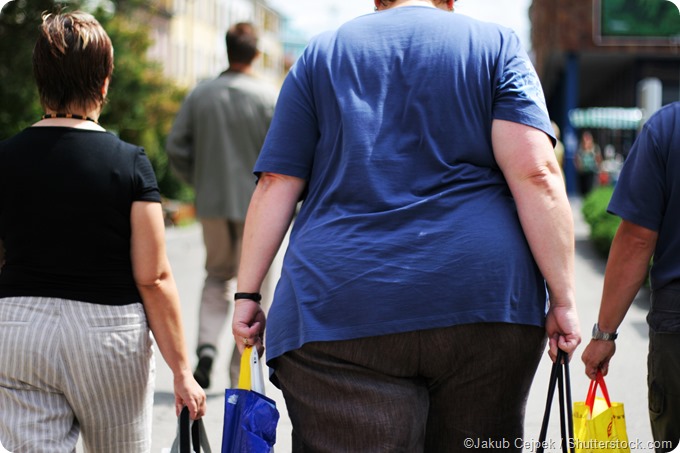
(664, 313)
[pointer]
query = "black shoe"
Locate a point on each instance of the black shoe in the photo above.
(202, 373)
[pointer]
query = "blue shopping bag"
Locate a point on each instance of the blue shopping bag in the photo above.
(250, 418)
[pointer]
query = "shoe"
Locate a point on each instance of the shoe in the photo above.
(202, 373)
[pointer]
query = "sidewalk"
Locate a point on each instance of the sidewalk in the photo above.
(186, 254)
(626, 380)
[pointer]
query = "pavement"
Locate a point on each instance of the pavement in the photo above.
(186, 254)
(626, 380)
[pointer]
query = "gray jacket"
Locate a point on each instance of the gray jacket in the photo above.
(216, 139)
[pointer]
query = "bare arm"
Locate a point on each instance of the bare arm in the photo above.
(626, 271)
(526, 157)
(156, 284)
(269, 216)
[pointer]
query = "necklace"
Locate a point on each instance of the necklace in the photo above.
(48, 116)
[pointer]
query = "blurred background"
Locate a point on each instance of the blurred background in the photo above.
(605, 65)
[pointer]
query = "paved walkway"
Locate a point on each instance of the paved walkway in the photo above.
(186, 254)
(627, 379)
(626, 382)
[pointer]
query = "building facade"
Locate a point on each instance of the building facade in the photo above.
(189, 37)
(603, 55)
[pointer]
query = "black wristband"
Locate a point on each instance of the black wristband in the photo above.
(255, 297)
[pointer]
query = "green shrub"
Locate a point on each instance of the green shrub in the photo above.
(603, 225)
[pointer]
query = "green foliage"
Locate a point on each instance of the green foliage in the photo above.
(19, 103)
(603, 225)
(142, 103)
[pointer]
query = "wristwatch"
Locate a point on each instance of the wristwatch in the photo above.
(606, 336)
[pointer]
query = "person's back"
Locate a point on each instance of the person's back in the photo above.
(433, 214)
(58, 246)
(229, 119)
(404, 178)
(84, 278)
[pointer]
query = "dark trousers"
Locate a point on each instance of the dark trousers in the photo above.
(586, 182)
(427, 391)
(663, 366)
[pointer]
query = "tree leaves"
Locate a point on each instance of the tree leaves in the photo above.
(142, 102)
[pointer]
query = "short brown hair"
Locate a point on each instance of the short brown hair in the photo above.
(72, 58)
(242, 40)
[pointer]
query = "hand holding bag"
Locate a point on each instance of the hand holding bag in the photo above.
(191, 436)
(250, 418)
(600, 424)
(559, 377)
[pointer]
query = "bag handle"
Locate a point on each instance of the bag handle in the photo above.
(250, 376)
(559, 377)
(244, 379)
(191, 437)
(592, 391)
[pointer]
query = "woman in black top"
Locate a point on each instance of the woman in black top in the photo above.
(84, 275)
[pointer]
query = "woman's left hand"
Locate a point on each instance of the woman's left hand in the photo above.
(188, 393)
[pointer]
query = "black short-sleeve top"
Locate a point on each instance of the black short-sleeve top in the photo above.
(65, 201)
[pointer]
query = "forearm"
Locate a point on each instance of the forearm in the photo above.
(547, 222)
(157, 288)
(156, 284)
(528, 162)
(161, 303)
(269, 215)
(627, 268)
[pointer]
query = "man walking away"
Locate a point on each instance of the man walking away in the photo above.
(213, 146)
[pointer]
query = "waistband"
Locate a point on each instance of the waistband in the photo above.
(664, 313)
(667, 299)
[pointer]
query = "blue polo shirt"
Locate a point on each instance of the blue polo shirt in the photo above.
(407, 222)
(648, 190)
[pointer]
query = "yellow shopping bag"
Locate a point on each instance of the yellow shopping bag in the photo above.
(599, 424)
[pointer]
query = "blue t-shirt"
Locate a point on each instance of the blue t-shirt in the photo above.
(407, 222)
(648, 190)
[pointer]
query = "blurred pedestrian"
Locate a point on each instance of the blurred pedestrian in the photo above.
(213, 146)
(85, 272)
(587, 161)
(559, 146)
(647, 198)
(406, 318)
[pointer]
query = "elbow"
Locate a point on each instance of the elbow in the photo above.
(544, 177)
(281, 184)
(151, 282)
(268, 180)
(636, 238)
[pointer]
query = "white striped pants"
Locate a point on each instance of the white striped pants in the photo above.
(71, 368)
